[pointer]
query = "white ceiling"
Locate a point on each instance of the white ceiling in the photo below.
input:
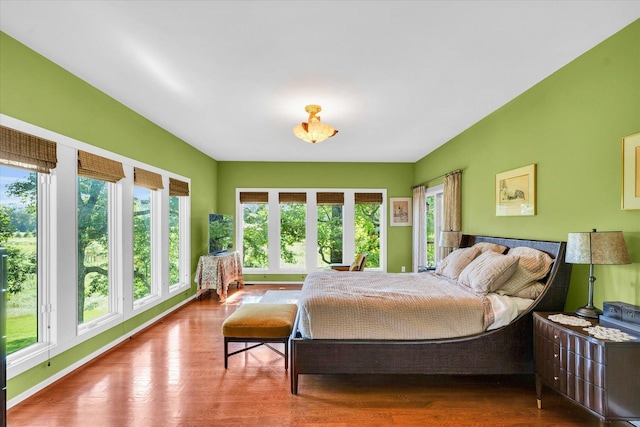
(232, 78)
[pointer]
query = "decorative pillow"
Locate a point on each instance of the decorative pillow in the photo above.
(532, 291)
(533, 266)
(456, 261)
(488, 271)
(486, 246)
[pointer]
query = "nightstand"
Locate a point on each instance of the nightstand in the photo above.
(602, 376)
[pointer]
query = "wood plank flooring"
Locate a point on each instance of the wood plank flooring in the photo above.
(172, 374)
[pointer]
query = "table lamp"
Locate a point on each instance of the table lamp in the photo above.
(450, 239)
(595, 247)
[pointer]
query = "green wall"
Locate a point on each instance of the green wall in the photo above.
(397, 178)
(570, 125)
(36, 90)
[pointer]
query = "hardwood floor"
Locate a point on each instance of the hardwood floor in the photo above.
(172, 374)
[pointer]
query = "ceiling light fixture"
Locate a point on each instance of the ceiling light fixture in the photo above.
(313, 131)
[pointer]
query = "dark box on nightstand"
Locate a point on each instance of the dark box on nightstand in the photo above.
(622, 314)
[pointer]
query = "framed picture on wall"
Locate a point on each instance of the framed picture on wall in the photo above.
(516, 192)
(631, 172)
(400, 211)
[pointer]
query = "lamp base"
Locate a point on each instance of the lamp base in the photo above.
(589, 311)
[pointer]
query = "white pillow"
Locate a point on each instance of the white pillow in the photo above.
(486, 246)
(533, 266)
(456, 261)
(488, 272)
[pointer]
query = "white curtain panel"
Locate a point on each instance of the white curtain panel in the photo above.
(419, 227)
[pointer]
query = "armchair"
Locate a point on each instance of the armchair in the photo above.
(357, 265)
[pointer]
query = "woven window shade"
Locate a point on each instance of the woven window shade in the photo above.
(145, 179)
(24, 151)
(98, 167)
(293, 197)
(254, 197)
(330, 198)
(369, 198)
(178, 188)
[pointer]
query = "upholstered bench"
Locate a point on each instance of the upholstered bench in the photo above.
(262, 324)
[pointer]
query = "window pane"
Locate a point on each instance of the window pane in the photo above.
(367, 232)
(19, 234)
(293, 217)
(329, 235)
(255, 245)
(174, 240)
(431, 249)
(141, 243)
(93, 249)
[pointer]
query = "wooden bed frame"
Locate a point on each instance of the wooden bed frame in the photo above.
(507, 350)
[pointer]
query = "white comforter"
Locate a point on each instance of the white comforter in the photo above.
(396, 306)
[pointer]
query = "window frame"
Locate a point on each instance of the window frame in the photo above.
(58, 270)
(274, 222)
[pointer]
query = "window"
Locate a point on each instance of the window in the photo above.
(293, 229)
(19, 225)
(310, 229)
(367, 226)
(58, 299)
(178, 267)
(25, 165)
(434, 224)
(330, 227)
(145, 217)
(255, 229)
(95, 205)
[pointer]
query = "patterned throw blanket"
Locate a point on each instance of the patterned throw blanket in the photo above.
(389, 306)
(218, 272)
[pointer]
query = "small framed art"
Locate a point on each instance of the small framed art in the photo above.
(631, 172)
(400, 211)
(516, 192)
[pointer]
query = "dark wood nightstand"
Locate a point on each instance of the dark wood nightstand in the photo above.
(602, 376)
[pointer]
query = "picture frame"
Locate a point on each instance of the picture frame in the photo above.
(631, 172)
(400, 212)
(516, 192)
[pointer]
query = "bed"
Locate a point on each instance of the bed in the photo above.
(505, 349)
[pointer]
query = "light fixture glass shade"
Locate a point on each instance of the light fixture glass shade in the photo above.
(314, 131)
(597, 247)
(450, 239)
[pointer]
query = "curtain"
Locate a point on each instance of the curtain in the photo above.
(419, 227)
(451, 220)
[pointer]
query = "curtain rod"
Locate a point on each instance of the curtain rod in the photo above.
(437, 177)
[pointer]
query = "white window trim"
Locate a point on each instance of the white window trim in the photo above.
(57, 264)
(348, 217)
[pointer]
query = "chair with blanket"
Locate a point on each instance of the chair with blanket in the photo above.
(357, 265)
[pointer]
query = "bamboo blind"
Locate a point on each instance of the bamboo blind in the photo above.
(98, 167)
(330, 198)
(146, 179)
(254, 197)
(25, 151)
(368, 198)
(292, 197)
(178, 188)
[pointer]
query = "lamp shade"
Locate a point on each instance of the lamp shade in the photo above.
(450, 239)
(597, 247)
